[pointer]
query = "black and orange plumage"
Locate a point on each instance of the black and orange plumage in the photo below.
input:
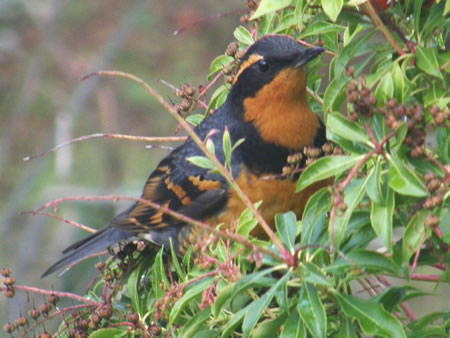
(267, 107)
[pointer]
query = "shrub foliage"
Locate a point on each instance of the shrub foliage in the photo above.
(383, 90)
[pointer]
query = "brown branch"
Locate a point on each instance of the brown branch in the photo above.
(378, 23)
(67, 221)
(56, 293)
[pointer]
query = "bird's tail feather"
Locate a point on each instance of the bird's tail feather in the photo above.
(88, 246)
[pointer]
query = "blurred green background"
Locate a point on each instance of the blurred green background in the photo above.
(46, 47)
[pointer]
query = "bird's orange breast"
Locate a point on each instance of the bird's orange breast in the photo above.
(278, 196)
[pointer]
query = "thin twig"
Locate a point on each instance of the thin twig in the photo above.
(378, 23)
(75, 224)
(115, 136)
(56, 293)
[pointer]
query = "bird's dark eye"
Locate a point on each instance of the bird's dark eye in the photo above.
(263, 66)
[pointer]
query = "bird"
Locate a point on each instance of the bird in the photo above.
(267, 107)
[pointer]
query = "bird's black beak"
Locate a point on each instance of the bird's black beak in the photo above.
(307, 55)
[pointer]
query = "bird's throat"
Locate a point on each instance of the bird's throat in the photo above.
(280, 111)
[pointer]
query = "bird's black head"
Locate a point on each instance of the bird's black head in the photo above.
(269, 92)
(265, 59)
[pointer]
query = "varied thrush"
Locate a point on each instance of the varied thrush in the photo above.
(267, 107)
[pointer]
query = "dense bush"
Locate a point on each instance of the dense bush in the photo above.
(385, 102)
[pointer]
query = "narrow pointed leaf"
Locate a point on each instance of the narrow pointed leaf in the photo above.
(352, 198)
(347, 129)
(286, 225)
(427, 61)
(404, 181)
(243, 35)
(365, 260)
(190, 294)
(256, 308)
(374, 320)
(332, 8)
(325, 167)
(381, 217)
(267, 6)
(312, 311)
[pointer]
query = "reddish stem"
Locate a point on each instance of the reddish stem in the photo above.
(433, 278)
(56, 293)
(406, 309)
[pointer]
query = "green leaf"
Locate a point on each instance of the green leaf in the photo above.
(365, 260)
(312, 311)
(221, 299)
(400, 135)
(334, 93)
(256, 308)
(231, 324)
(374, 184)
(325, 167)
(374, 320)
(195, 119)
(159, 275)
(110, 333)
(354, 48)
(403, 180)
(332, 8)
(420, 323)
(414, 234)
(286, 225)
(243, 35)
(250, 280)
(385, 88)
(209, 144)
(314, 217)
(352, 197)
(347, 329)
(226, 145)
(347, 129)
(381, 216)
(270, 327)
(399, 82)
(133, 285)
(192, 326)
(201, 161)
(293, 327)
(321, 28)
(427, 61)
(218, 63)
(190, 294)
(312, 274)
(267, 6)
(447, 7)
(218, 97)
(391, 297)
(176, 264)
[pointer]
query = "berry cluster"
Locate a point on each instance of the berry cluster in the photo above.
(297, 161)
(362, 98)
(186, 92)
